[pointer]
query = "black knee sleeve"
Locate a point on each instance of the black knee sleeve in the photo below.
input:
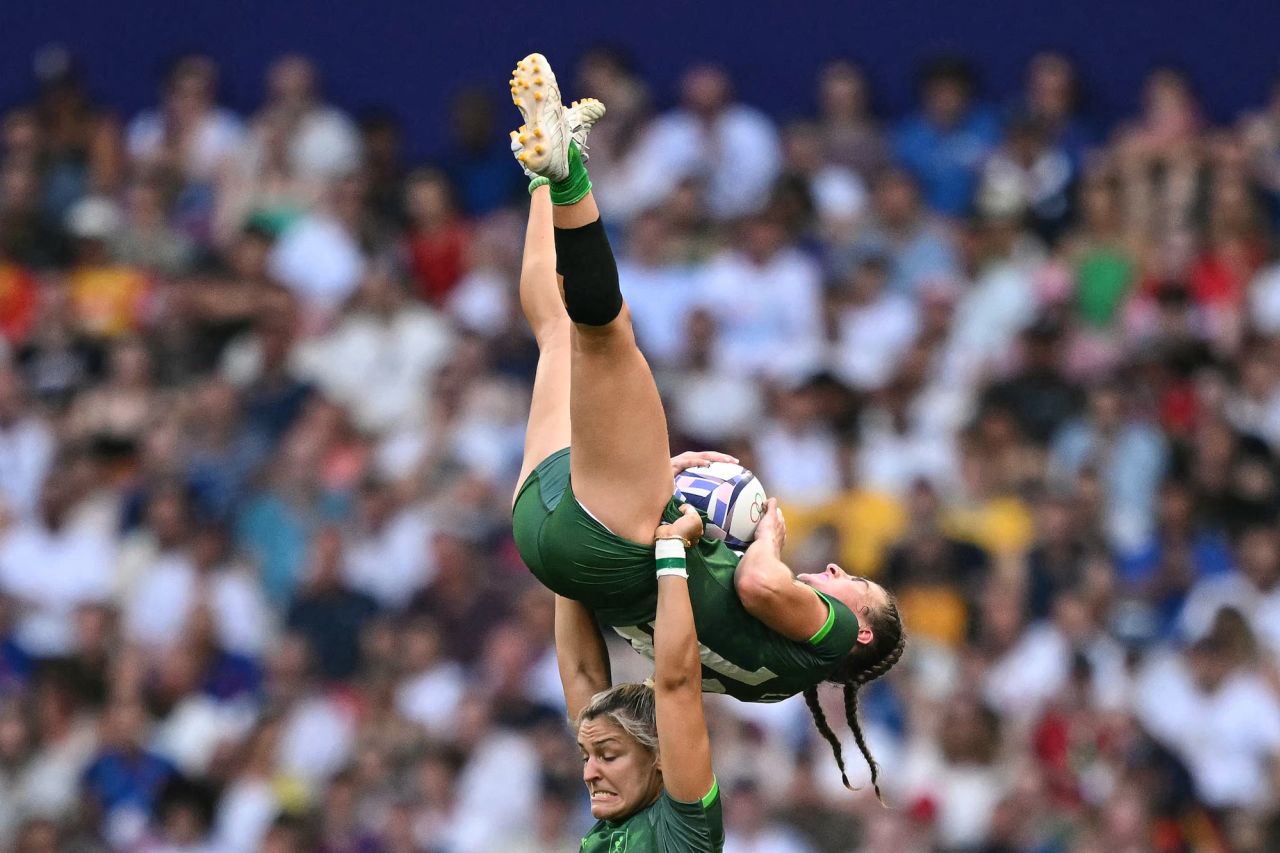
(585, 260)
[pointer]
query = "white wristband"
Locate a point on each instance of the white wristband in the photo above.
(665, 549)
(669, 557)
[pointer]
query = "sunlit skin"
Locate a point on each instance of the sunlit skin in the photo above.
(622, 776)
(858, 594)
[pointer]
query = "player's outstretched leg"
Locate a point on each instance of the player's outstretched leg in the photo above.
(543, 306)
(548, 429)
(619, 462)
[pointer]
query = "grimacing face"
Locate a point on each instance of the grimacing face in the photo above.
(621, 775)
(858, 594)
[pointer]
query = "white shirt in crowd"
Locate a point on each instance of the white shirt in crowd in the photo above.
(771, 839)
(158, 611)
(481, 301)
(1264, 300)
(658, 297)
(800, 466)
(713, 405)
(839, 195)
(51, 574)
(431, 697)
(487, 439)
(738, 155)
(325, 144)
(1229, 739)
(47, 784)
(890, 461)
(871, 339)
(197, 727)
(989, 317)
(379, 369)
(1258, 416)
(393, 563)
(1261, 609)
(1010, 187)
(501, 761)
(768, 316)
(965, 795)
(320, 262)
(317, 739)
(216, 139)
(1036, 670)
(26, 449)
(245, 814)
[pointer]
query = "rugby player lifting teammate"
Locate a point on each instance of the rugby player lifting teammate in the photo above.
(646, 756)
(596, 478)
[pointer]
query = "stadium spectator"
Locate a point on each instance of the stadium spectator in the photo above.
(18, 298)
(1052, 98)
(439, 239)
(1215, 684)
(80, 142)
(479, 161)
(380, 358)
(874, 326)
(124, 780)
(75, 569)
(188, 133)
(695, 141)
(655, 285)
(799, 453)
(329, 614)
(320, 257)
(851, 135)
(320, 141)
(110, 298)
(826, 199)
(387, 554)
(775, 328)
(27, 446)
(1112, 438)
(945, 144)
(31, 236)
(901, 228)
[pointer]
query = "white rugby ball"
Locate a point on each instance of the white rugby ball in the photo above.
(730, 496)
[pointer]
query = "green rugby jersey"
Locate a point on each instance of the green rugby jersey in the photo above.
(741, 656)
(576, 556)
(667, 826)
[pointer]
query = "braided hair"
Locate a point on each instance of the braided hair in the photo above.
(864, 664)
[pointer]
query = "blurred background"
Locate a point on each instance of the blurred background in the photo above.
(989, 299)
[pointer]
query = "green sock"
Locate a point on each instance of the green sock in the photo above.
(573, 188)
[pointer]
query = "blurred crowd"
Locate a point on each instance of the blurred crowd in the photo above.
(262, 391)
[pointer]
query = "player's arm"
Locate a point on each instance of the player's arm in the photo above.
(683, 745)
(767, 588)
(581, 655)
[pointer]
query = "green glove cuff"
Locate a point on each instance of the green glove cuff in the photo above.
(575, 187)
(539, 181)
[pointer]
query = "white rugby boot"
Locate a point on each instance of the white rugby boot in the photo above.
(580, 117)
(546, 128)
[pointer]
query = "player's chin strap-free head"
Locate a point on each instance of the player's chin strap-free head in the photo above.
(865, 663)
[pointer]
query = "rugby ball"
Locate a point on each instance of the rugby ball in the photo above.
(729, 496)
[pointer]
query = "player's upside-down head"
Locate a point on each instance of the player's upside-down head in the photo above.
(880, 643)
(618, 734)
